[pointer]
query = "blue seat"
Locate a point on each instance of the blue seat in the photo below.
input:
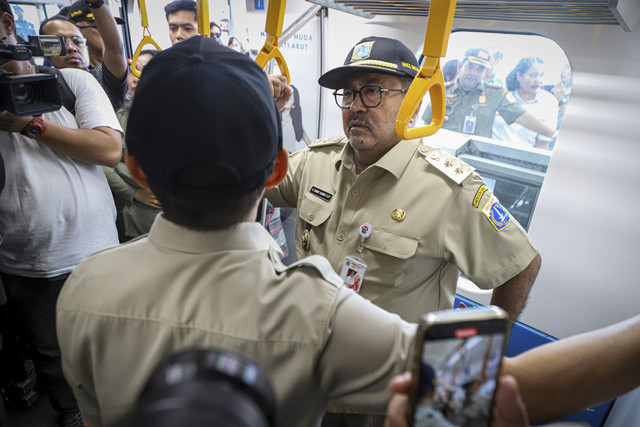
(523, 338)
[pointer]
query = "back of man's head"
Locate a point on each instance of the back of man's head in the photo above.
(178, 5)
(205, 130)
(5, 7)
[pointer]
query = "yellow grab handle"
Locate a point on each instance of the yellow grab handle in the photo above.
(273, 28)
(203, 18)
(430, 78)
(145, 41)
(418, 89)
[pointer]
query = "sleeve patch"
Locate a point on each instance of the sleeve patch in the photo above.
(497, 215)
(478, 196)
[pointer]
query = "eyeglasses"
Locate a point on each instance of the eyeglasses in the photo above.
(76, 40)
(370, 95)
(215, 34)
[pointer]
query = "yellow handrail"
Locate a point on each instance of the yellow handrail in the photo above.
(273, 28)
(203, 18)
(430, 78)
(146, 39)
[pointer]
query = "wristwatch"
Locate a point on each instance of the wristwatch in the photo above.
(34, 128)
(95, 4)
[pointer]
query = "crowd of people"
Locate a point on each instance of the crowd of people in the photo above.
(190, 177)
(519, 109)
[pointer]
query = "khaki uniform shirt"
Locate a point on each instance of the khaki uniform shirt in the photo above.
(426, 208)
(482, 103)
(179, 289)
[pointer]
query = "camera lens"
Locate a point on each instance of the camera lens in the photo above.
(24, 93)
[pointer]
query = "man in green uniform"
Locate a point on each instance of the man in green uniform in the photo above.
(209, 275)
(471, 103)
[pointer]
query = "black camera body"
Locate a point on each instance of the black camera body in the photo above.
(31, 94)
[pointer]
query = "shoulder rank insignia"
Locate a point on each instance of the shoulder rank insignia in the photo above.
(446, 163)
(326, 142)
(511, 98)
(496, 214)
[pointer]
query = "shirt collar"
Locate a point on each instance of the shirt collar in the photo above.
(395, 160)
(242, 236)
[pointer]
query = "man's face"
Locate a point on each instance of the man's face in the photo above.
(182, 25)
(372, 130)
(215, 31)
(77, 55)
(470, 75)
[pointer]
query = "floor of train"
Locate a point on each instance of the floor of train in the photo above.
(39, 414)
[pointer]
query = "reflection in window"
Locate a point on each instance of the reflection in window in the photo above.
(505, 97)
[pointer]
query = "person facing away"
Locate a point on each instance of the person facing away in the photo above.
(182, 18)
(111, 73)
(208, 275)
(525, 84)
(55, 209)
(472, 104)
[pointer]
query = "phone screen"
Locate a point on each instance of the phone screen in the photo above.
(459, 368)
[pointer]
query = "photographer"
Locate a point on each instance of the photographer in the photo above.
(111, 69)
(56, 207)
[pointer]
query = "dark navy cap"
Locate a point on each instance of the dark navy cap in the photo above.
(202, 109)
(80, 11)
(373, 55)
(479, 57)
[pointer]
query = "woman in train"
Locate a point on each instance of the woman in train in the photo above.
(524, 83)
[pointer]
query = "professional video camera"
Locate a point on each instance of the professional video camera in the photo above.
(203, 388)
(31, 94)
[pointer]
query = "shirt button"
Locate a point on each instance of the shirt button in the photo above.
(340, 237)
(311, 217)
(355, 193)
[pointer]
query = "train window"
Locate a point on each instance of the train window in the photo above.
(505, 100)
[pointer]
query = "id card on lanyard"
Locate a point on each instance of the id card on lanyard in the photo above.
(354, 267)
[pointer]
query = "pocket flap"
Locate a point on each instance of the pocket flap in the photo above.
(388, 243)
(314, 213)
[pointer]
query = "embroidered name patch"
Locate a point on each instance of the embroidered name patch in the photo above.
(478, 197)
(321, 193)
(496, 214)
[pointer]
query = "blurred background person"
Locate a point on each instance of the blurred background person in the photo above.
(294, 137)
(215, 32)
(450, 70)
(524, 83)
(137, 206)
(235, 44)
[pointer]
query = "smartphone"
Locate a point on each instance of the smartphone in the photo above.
(456, 365)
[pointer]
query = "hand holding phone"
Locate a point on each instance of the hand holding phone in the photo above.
(456, 366)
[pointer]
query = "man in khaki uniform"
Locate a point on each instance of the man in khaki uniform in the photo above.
(472, 103)
(208, 275)
(428, 214)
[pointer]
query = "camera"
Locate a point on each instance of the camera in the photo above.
(32, 94)
(206, 387)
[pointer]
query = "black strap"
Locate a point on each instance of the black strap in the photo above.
(67, 97)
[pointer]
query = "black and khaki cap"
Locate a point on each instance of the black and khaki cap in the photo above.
(479, 57)
(80, 11)
(373, 55)
(203, 122)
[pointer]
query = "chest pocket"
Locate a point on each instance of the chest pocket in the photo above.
(388, 257)
(313, 214)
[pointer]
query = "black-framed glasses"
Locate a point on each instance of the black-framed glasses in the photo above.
(370, 95)
(76, 40)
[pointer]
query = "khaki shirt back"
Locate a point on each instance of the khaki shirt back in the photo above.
(180, 289)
